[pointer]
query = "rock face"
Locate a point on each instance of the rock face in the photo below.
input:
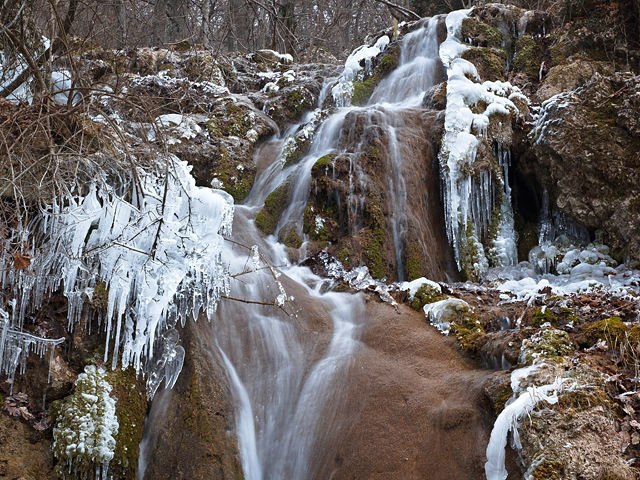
(24, 453)
(387, 160)
(412, 418)
(588, 143)
(194, 439)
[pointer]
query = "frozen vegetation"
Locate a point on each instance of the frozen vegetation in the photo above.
(159, 256)
(84, 436)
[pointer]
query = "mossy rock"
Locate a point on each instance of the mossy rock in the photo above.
(540, 316)
(611, 329)
(548, 343)
(527, 58)
(583, 399)
(236, 178)
(480, 33)
(547, 469)
(504, 394)
(297, 101)
(468, 330)
(322, 165)
(275, 203)
(362, 90)
(131, 409)
(203, 66)
(100, 297)
(294, 150)
(374, 245)
(471, 254)
(415, 262)
(424, 295)
(315, 225)
(491, 63)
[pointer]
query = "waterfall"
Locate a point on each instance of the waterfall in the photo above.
(285, 379)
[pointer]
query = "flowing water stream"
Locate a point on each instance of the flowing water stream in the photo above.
(286, 371)
(285, 378)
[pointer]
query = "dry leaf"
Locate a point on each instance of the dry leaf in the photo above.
(21, 262)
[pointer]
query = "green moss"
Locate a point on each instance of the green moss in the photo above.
(235, 182)
(292, 239)
(131, 409)
(541, 316)
(504, 394)
(527, 58)
(320, 167)
(414, 262)
(295, 150)
(311, 228)
(605, 115)
(548, 469)
(547, 343)
(481, 33)
(611, 329)
(362, 90)
(234, 121)
(193, 415)
(100, 297)
(374, 244)
(426, 294)
(490, 62)
(583, 399)
(275, 203)
(471, 254)
(468, 330)
(344, 255)
(567, 315)
(297, 101)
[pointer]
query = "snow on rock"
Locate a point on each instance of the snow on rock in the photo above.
(84, 435)
(413, 286)
(442, 313)
(353, 70)
(178, 126)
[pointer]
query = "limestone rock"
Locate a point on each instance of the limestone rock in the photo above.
(588, 142)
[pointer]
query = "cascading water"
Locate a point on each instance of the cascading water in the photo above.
(286, 380)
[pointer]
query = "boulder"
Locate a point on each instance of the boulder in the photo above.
(587, 145)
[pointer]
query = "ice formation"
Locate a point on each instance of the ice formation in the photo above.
(84, 435)
(518, 406)
(413, 286)
(15, 346)
(342, 91)
(470, 198)
(158, 255)
(440, 313)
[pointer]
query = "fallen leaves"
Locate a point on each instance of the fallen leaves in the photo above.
(21, 262)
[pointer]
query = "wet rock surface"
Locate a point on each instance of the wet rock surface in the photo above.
(193, 435)
(407, 402)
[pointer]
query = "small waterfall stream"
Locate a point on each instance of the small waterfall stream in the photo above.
(285, 372)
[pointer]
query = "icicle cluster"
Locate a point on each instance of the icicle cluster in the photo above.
(84, 436)
(16, 345)
(470, 197)
(159, 257)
